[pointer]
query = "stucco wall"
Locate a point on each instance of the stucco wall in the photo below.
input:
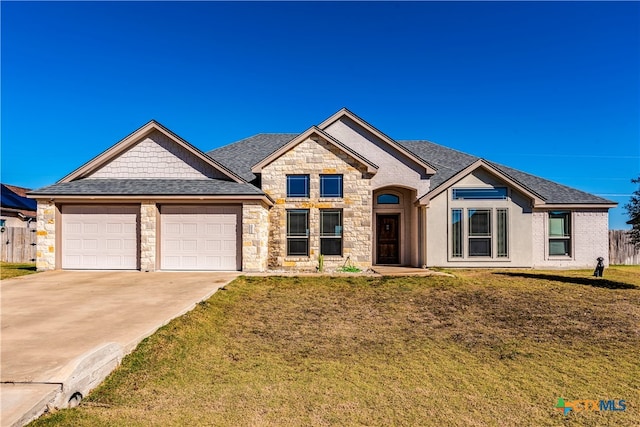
(590, 239)
(395, 169)
(315, 158)
(157, 156)
(519, 226)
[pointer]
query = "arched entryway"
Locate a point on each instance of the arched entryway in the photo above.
(394, 226)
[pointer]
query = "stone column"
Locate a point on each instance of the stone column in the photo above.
(148, 231)
(46, 236)
(255, 236)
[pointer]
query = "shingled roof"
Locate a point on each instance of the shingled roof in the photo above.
(240, 156)
(144, 187)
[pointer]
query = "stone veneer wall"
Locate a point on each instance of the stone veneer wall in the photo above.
(148, 232)
(315, 158)
(590, 239)
(46, 236)
(157, 157)
(255, 236)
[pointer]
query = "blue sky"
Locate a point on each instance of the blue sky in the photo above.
(550, 88)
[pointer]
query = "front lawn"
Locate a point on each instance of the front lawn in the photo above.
(9, 269)
(483, 348)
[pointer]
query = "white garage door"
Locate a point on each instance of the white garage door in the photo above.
(100, 237)
(200, 237)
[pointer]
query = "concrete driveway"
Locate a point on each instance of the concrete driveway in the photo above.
(64, 331)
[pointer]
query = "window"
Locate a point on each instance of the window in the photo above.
(388, 199)
(330, 232)
(456, 233)
(297, 185)
(502, 230)
(479, 232)
(499, 193)
(298, 232)
(560, 233)
(330, 185)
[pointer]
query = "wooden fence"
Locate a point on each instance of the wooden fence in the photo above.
(18, 244)
(621, 251)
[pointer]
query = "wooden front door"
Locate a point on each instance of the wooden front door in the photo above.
(388, 239)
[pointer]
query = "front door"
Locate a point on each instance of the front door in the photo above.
(388, 239)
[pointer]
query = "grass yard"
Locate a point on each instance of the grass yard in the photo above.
(486, 348)
(9, 270)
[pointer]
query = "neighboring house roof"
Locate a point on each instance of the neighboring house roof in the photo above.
(13, 199)
(143, 187)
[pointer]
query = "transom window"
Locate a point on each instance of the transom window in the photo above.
(330, 185)
(298, 232)
(560, 233)
(499, 193)
(297, 185)
(388, 199)
(330, 232)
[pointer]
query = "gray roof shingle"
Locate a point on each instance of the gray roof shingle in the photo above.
(242, 155)
(449, 162)
(156, 187)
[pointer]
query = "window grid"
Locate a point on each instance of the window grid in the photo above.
(297, 185)
(331, 186)
(297, 232)
(330, 232)
(479, 232)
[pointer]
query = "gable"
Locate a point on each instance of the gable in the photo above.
(152, 152)
(156, 156)
(395, 166)
(317, 135)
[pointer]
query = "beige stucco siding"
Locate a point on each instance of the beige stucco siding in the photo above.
(157, 156)
(315, 158)
(394, 168)
(589, 239)
(438, 221)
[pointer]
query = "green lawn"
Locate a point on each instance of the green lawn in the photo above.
(9, 270)
(491, 348)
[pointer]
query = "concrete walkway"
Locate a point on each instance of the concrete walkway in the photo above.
(385, 270)
(63, 332)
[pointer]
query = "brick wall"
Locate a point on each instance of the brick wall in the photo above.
(590, 239)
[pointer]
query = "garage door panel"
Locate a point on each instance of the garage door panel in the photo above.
(100, 237)
(199, 237)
